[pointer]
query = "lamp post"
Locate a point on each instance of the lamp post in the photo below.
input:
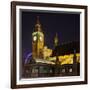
(74, 63)
(57, 62)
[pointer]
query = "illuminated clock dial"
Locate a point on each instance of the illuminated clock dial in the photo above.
(34, 38)
(41, 38)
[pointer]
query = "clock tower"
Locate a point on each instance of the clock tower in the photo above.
(37, 41)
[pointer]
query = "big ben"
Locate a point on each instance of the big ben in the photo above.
(37, 41)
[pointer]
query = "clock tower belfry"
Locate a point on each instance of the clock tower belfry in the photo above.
(37, 41)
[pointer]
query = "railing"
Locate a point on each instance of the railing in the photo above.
(46, 70)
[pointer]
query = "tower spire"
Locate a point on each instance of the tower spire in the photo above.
(38, 25)
(56, 40)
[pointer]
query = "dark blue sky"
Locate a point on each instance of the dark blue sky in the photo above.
(65, 24)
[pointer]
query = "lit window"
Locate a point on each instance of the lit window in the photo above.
(70, 70)
(63, 70)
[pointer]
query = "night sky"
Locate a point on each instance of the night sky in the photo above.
(65, 24)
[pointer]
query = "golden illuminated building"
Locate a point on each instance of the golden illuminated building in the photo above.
(38, 41)
(47, 52)
(38, 49)
(66, 59)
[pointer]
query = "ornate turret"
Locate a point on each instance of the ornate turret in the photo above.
(56, 40)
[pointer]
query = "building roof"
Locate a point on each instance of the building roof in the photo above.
(67, 48)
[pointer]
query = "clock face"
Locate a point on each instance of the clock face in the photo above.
(41, 38)
(34, 38)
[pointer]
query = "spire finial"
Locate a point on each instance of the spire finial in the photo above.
(38, 25)
(56, 39)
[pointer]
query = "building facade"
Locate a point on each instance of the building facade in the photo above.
(37, 41)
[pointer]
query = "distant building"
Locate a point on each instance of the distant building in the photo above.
(65, 52)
